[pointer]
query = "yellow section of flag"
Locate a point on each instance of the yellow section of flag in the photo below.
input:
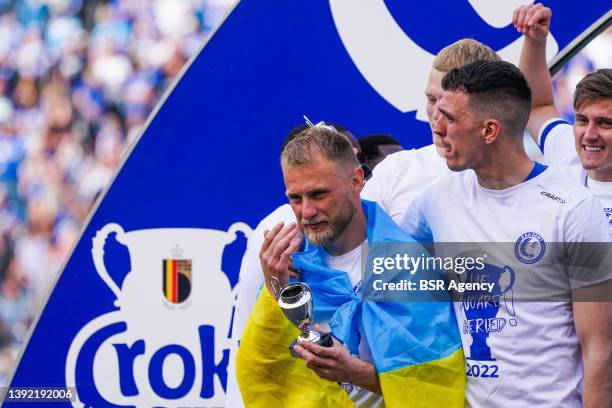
(267, 374)
(438, 383)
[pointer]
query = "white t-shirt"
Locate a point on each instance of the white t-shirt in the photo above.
(517, 353)
(556, 140)
(351, 264)
(402, 176)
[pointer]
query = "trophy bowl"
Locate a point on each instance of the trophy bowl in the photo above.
(296, 301)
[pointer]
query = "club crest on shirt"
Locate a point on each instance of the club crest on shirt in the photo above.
(529, 248)
(608, 212)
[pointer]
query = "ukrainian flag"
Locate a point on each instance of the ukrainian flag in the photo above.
(415, 346)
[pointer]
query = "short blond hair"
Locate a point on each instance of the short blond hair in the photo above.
(320, 139)
(461, 53)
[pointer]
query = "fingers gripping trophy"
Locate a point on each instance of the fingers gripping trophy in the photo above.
(294, 298)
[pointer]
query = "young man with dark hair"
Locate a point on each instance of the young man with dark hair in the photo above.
(404, 175)
(534, 357)
(375, 147)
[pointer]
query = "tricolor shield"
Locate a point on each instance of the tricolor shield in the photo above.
(176, 279)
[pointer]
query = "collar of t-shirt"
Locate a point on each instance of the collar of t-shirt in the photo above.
(349, 262)
(537, 170)
(601, 189)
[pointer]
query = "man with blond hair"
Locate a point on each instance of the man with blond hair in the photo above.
(396, 181)
(323, 182)
(402, 176)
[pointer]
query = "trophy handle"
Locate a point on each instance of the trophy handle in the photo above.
(274, 279)
(97, 252)
(512, 279)
(238, 227)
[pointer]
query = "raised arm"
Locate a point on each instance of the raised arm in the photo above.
(533, 21)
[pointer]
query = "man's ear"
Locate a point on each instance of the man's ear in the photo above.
(491, 130)
(357, 179)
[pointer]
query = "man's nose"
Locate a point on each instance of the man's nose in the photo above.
(591, 132)
(308, 209)
(438, 123)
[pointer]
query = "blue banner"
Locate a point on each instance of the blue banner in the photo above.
(141, 313)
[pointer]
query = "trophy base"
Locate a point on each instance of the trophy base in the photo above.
(323, 340)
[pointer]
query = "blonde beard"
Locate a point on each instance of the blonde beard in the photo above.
(335, 227)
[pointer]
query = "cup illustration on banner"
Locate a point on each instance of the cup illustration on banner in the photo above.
(167, 343)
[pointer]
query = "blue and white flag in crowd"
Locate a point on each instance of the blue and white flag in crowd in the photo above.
(140, 315)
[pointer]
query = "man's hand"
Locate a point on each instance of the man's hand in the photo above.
(533, 21)
(275, 254)
(336, 363)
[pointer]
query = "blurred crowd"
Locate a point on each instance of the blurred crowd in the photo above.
(597, 54)
(78, 79)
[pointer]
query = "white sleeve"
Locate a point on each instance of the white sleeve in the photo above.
(250, 282)
(414, 222)
(556, 141)
(396, 181)
(587, 222)
(587, 244)
(378, 187)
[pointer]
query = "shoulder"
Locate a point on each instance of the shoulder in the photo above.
(553, 126)
(564, 182)
(395, 161)
(430, 162)
(381, 227)
(556, 139)
(406, 159)
(452, 180)
(388, 177)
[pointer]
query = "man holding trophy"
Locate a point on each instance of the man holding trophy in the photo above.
(382, 353)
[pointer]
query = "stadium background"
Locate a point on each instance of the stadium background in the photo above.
(77, 82)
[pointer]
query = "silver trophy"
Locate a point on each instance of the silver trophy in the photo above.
(295, 299)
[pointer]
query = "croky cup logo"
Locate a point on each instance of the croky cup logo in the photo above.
(159, 348)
